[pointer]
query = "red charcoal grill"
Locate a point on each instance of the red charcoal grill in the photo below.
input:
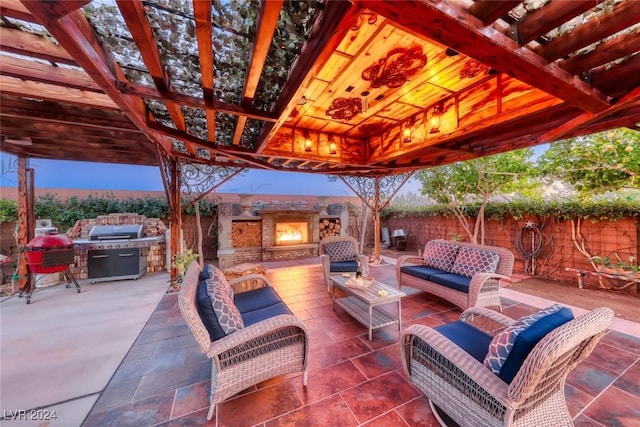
(52, 253)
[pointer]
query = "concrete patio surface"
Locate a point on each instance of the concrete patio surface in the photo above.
(59, 352)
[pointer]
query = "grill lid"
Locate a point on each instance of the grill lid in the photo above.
(115, 232)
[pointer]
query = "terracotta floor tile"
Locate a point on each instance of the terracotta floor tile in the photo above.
(375, 397)
(261, 405)
(576, 400)
(417, 413)
(340, 351)
(332, 411)
(379, 362)
(630, 380)
(614, 359)
(145, 412)
(171, 379)
(590, 378)
(391, 418)
(615, 408)
(191, 398)
(352, 381)
(620, 340)
(328, 381)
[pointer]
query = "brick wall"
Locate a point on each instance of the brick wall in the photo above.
(603, 238)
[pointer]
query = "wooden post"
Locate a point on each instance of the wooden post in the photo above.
(176, 214)
(24, 229)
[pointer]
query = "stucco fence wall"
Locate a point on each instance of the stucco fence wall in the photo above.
(603, 238)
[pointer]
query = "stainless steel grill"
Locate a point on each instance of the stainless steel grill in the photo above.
(115, 232)
(119, 253)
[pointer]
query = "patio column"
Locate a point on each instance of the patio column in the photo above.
(26, 220)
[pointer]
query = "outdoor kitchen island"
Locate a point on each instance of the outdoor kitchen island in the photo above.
(118, 247)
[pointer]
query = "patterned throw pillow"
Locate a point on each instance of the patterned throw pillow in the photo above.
(217, 277)
(502, 344)
(471, 261)
(440, 255)
(340, 251)
(225, 310)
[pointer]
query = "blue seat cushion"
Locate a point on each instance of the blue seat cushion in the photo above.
(452, 281)
(255, 316)
(343, 266)
(528, 338)
(256, 299)
(421, 271)
(469, 338)
(205, 310)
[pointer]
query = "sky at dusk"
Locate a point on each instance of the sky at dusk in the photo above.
(102, 176)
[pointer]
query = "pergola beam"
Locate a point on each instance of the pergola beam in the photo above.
(266, 25)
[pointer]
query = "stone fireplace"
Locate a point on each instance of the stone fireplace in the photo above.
(272, 231)
(289, 234)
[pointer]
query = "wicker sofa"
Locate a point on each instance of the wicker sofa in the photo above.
(466, 274)
(449, 365)
(269, 341)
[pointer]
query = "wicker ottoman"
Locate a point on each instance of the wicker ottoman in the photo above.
(244, 270)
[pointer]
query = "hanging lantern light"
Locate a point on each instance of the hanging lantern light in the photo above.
(434, 119)
(407, 131)
(308, 144)
(333, 147)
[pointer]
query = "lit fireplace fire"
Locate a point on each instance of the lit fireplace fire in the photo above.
(291, 233)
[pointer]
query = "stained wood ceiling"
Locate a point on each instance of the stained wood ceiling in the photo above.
(131, 82)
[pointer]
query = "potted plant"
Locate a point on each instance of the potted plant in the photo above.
(181, 262)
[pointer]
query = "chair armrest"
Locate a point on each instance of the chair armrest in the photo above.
(479, 280)
(488, 321)
(254, 331)
(250, 281)
(364, 264)
(408, 259)
(472, 375)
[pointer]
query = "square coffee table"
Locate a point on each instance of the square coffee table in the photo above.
(362, 302)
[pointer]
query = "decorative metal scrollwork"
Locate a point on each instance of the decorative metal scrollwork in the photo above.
(376, 192)
(395, 69)
(344, 108)
(199, 179)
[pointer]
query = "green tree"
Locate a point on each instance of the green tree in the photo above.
(595, 163)
(458, 184)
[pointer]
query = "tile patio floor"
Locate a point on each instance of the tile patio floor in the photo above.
(164, 379)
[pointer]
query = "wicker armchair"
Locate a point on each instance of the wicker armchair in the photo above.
(258, 352)
(472, 395)
(330, 266)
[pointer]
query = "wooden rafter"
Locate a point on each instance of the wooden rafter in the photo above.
(202, 13)
(196, 102)
(45, 73)
(616, 78)
(74, 33)
(15, 9)
(266, 26)
(333, 22)
(136, 19)
(37, 90)
(455, 27)
(27, 44)
(605, 52)
(489, 11)
(546, 18)
(632, 99)
(621, 16)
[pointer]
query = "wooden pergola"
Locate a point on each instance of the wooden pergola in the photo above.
(350, 88)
